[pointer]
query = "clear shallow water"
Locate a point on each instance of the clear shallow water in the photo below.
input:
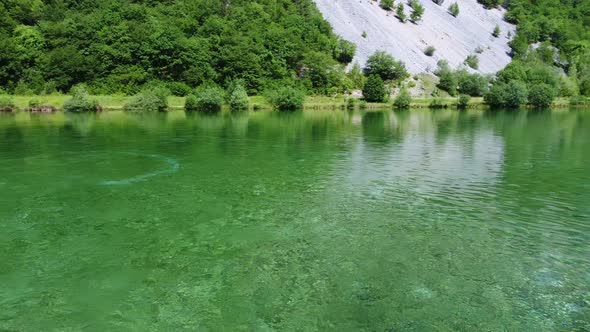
(315, 221)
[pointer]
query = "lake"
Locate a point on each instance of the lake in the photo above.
(305, 221)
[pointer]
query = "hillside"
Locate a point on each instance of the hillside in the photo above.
(453, 37)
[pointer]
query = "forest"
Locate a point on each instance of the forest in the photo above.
(122, 46)
(118, 46)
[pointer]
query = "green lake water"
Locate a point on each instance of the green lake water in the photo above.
(309, 221)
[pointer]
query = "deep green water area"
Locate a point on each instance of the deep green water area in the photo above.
(306, 221)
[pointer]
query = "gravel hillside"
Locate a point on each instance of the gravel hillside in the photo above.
(453, 37)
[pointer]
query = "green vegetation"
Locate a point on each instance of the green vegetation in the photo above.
(541, 95)
(454, 9)
(81, 101)
(122, 46)
(385, 65)
(472, 84)
(472, 61)
(400, 13)
(6, 103)
(149, 100)
(238, 98)
(496, 32)
(403, 100)
(386, 4)
(374, 90)
(417, 12)
(206, 99)
(286, 98)
(509, 95)
(429, 51)
(463, 101)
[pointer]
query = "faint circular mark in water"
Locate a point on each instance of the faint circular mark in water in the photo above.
(173, 166)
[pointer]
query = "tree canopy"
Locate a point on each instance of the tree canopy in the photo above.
(121, 45)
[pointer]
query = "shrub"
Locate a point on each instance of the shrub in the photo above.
(463, 101)
(238, 98)
(541, 95)
(472, 61)
(454, 9)
(516, 94)
(350, 103)
(374, 90)
(364, 34)
(286, 98)
(403, 100)
(496, 32)
(6, 103)
(179, 89)
(401, 14)
(436, 104)
(472, 84)
(385, 65)
(578, 101)
(417, 12)
(363, 105)
(448, 82)
(154, 99)
(510, 95)
(206, 99)
(429, 51)
(81, 101)
(386, 4)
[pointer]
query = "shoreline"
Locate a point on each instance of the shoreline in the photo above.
(116, 103)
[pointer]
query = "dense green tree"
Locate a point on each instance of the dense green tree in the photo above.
(374, 89)
(121, 45)
(541, 95)
(385, 65)
(344, 51)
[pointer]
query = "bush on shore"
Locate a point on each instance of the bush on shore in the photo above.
(374, 90)
(286, 98)
(403, 100)
(238, 98)
(81, 101)
(6, 103)
(149, 100)
(541, 95)
(510, 95)
(463, 101)
(205, 99)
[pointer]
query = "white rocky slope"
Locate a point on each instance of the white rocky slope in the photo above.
(453, 37)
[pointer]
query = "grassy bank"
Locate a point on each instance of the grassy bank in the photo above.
(258, 102)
